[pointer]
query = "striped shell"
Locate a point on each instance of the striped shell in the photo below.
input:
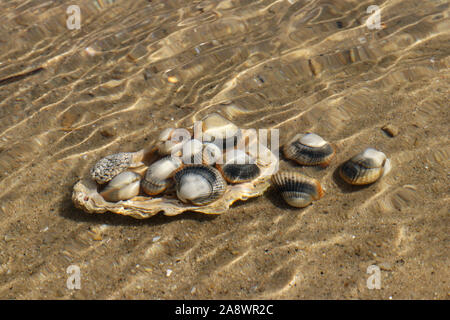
(157, 177)
(365, 168)
(309, 149)
(238, 167)
(199, 184)
(296, 189)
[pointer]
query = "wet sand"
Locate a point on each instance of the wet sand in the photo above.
(70, 97)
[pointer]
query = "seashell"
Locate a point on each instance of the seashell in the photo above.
(296, 189)
(110, 166)
(157, 177)
(192, 152)
(124, 186)
(199, 184)
(365, 168)
(171, 140)
(238, 167)
(309, 149)
(220, 131)
(211, 153)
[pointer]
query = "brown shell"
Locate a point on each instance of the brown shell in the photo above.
(365, 168)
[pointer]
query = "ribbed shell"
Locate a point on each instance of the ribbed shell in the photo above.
(217, 184)
(364, 168)
(239, 167)
(239, 173)
(301, 150)
(296, 189)
(157, 177)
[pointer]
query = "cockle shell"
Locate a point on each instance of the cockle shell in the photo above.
(86, 196)
(124, 186)
(158, 174)
(238, 167)
(211, 153)
(171, 140)
(192, 152)
(297, 189)
(220, 131)
(309, 149)
(365, 168)
(199, 184)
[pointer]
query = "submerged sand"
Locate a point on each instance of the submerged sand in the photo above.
(70, 97)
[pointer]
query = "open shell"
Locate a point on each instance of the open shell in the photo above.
(86, 196)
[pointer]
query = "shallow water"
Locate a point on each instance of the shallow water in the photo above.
(70, 97)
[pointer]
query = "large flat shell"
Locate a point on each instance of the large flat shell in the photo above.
(86, 197)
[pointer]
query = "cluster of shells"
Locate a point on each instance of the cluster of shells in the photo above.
(183, 173)
(180, 173)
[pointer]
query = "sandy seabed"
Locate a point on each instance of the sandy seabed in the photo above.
(70, 97)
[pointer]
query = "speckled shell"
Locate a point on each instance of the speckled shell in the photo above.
(110, 166)
(309, 149)
(365, 168)
(215, 184)
(297, 189)
(124, 186)
(158, 174)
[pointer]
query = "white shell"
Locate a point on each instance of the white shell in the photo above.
(192, 152)
(220, 131)
(377, 157)
(199, 184)
(171, 140)
(312, 140)
(124, 186)
(211, 153)
(156, 179)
